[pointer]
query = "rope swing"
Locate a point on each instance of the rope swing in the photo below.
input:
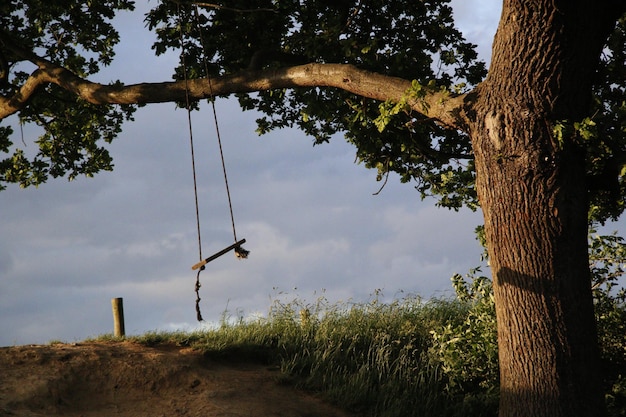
(240, 252)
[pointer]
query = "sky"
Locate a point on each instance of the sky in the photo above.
(311, 221)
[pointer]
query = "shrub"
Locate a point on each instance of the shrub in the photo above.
(607, 256)
(468, 350)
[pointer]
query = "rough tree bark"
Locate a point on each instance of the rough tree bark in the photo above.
(533, 196)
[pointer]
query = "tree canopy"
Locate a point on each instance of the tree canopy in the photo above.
(45, 61)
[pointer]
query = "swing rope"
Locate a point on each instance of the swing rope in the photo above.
(193, 165)
(217, 127)
(240, 252)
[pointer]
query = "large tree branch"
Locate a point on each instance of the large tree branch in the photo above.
(438, 105)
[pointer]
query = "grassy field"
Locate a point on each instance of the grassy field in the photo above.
(404, 358)
(376, 357)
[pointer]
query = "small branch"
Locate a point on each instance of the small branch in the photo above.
(220, 7)
(384, 183)
(434, 154)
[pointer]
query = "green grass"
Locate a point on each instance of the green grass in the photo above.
(373, 357)
(403, 358)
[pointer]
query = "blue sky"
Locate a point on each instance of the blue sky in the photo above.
(309, 215)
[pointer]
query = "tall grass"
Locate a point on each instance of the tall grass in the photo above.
(370, 357)
(373, 357)
(401, 358)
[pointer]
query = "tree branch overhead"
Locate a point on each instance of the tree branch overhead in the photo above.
(439, 105)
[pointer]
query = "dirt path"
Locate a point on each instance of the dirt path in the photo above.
(127, 379)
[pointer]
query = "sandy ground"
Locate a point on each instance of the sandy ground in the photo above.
(127, 379)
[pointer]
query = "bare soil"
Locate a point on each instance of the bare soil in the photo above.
(133, 380)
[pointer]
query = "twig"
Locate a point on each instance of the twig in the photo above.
(220, 7)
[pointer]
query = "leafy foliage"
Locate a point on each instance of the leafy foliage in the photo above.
(411, 40)
(80, 37)
(468, 349)
(608, 265)
(414, 40)
(70, 144)
(603, 132)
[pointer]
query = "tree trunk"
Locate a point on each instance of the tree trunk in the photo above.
(533, 195)
(536, 226)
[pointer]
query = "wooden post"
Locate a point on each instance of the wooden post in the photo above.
(118, 317)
